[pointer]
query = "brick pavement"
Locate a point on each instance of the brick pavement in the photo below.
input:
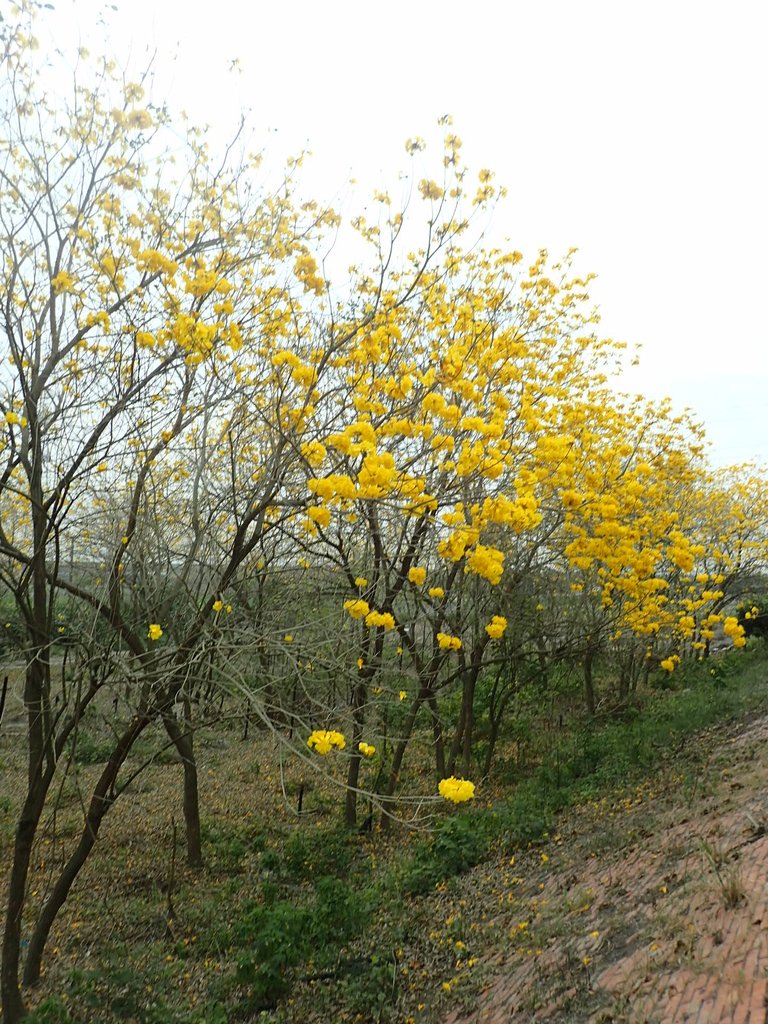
(675, 927)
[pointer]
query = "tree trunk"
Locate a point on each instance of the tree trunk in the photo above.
(353, 772)
(437, 738)
(462, 738)
(397, 759)
(183, 740)
(36, 697)
(492, 738)
(501, 694)
(457, 737)
(589, 686)
(101, 800)
(469, 724)
(626, 677)
(12, 1003)
(3, 693)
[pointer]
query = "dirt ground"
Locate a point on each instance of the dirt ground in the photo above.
(649, 910)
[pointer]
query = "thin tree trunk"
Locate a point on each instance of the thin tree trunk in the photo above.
(101, 800)
(397, 759)
(183, 740)
(589, 686)
(3, 693)
(38, 780)
(462, 737)
(457, 737)
(353, 771)
(469, 728)
(497, 704)
(29, 819)
(12, 1003)
(437, 738)
(492, 738)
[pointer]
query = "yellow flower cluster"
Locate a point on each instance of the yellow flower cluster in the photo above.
(735, 631)
(377, 475)
(417, 575)
(446, 642)
(366, 749)
(305, 269)
(194, 337)
(375, 619)
(206, 281)
(458, 791)
(455, 546)
(320, 515)
(322, 741)
(155, 632)
(358, 609)
(62, 282)
(314, 452)
(495, 628)
(337, 485)
(486, 562)
(153, 261)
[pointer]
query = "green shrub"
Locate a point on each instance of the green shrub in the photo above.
(225, 847)
(456, 845)
(87, 749)
(320, 853)
(278, 935)
(52, 1010)
(367, 988)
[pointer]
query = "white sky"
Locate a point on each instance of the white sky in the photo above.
(635, 131)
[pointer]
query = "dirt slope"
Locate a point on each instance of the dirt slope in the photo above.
(652, 908)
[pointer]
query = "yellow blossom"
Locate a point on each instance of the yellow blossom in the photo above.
(62, 282)
(322, 741)
(155, 632)
(733, 629)
(384, 619)
(417, 574)
(456, 790)
(313, 452)
(448, 643)
(320, 515)
(495, 628)
(358, 609)
(486, 562)
(366, 749)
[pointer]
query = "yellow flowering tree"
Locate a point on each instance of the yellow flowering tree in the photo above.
(454, 434)
(145, 295)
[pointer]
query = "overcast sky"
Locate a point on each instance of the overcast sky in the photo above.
(633, 131)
